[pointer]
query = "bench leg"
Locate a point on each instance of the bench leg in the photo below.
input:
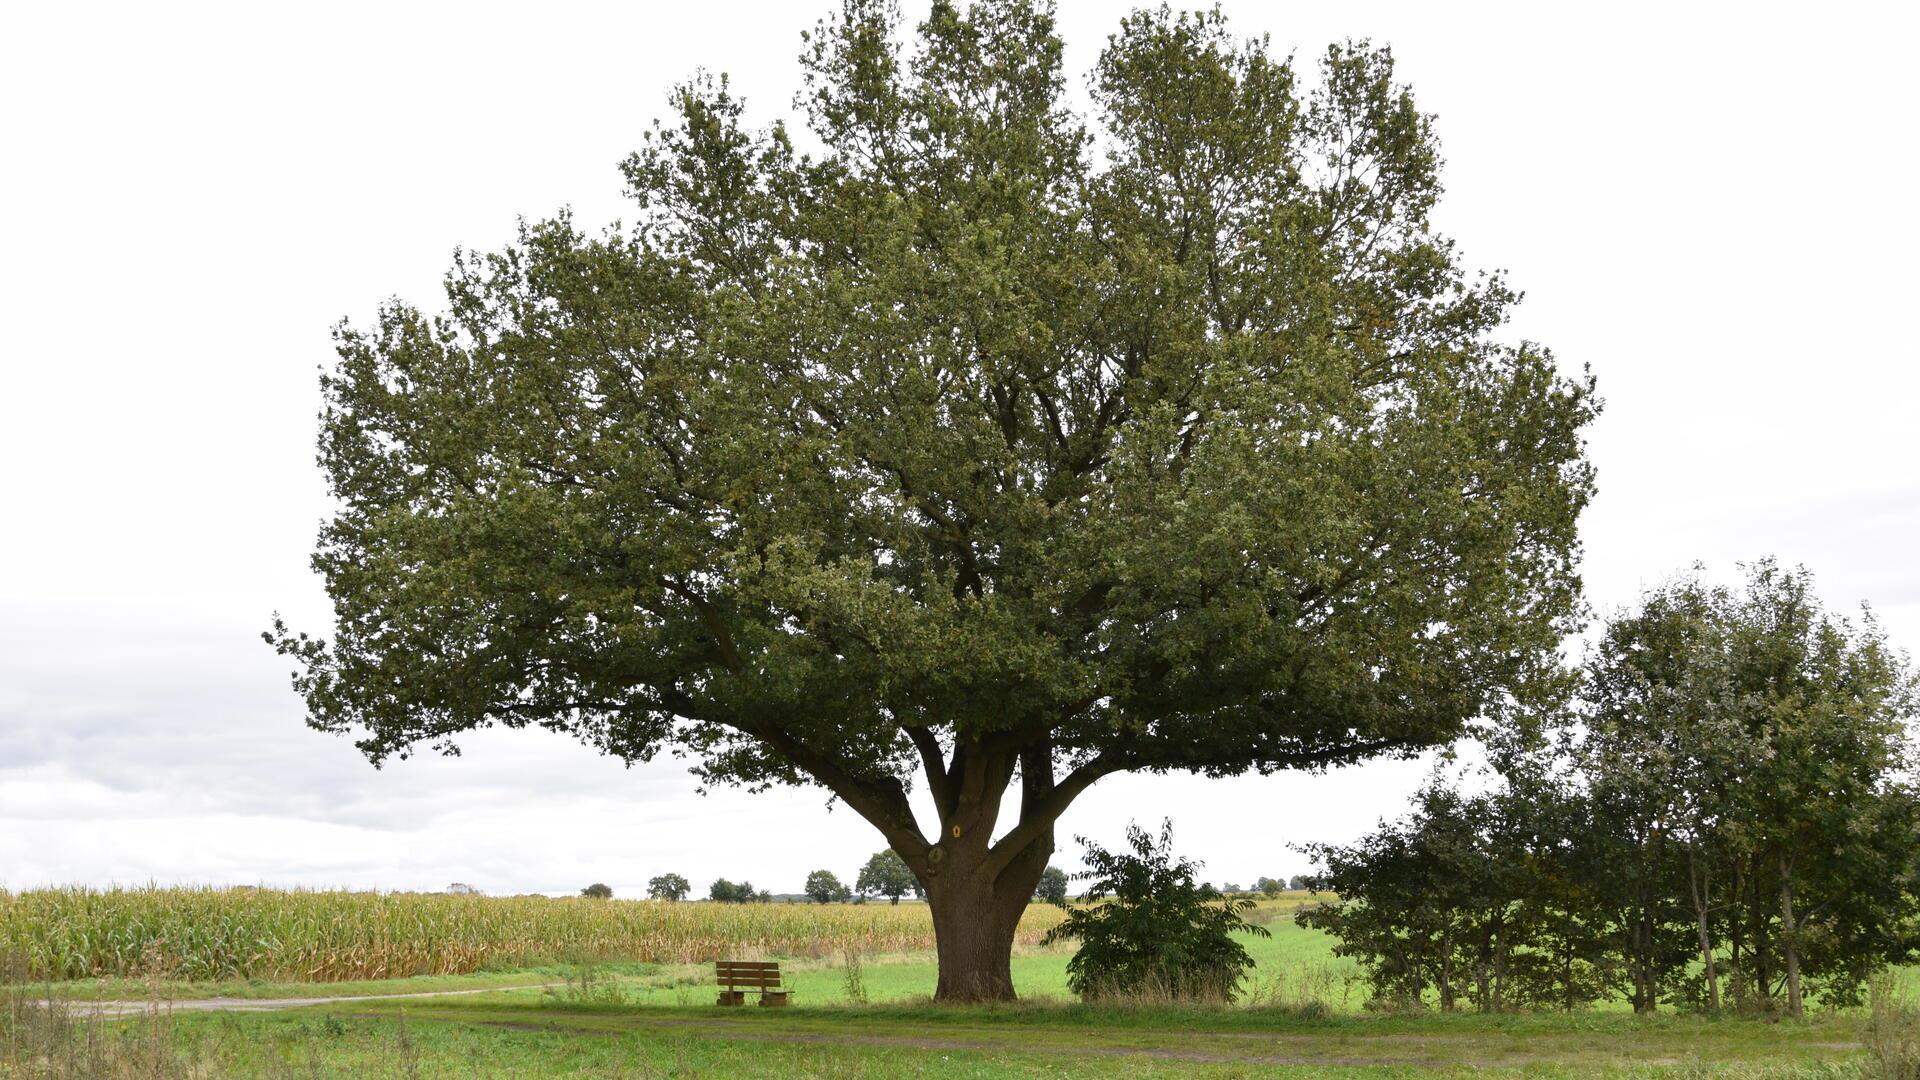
(773, 999)
(732, 997)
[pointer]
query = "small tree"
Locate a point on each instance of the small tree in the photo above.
(823, 887)
(597, 891)
(1053, 887)
(888, 875)
(668, 887)
(1299, 882)
(1159, 933)
(731, 892)
(1270, 887)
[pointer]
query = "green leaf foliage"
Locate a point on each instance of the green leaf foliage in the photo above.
(964, 436)
(887, 874)
(824, 887)
(1150, 930)
(668, 887)
(736, 892)
(1053, 886)
(1729, 820)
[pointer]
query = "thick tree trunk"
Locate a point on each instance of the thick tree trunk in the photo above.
(975, 919)
(976, 889)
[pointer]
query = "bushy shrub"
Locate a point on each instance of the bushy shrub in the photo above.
(1158, 935)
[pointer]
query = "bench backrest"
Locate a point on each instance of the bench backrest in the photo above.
(764, 974)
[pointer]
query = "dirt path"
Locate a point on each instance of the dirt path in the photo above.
(233, 1004)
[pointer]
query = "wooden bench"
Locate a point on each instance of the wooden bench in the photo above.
(762, 976)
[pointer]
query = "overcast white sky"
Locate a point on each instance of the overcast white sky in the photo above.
(1714, 209)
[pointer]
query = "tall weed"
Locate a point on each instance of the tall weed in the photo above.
(1893, 1031)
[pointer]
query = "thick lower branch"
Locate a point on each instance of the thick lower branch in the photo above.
(880, 800)
(933, 762)
(1037, 817)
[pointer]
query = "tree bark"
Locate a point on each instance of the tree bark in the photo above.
(1706, 936)
(1645, 993)
(975, 918)
(1789, 937)
(1762, 947)
(977, 891)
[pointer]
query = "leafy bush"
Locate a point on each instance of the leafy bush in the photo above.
(597, 891)
(1158, 935)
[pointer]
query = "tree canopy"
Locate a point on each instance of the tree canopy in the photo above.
(668, 887)
(963, 437)
(1053, 886)
(736, 892)
(825, 887)
(887, 874)
(1728, 818)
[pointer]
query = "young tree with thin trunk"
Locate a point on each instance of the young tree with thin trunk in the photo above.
(1832, 799)
(1665, 746)
(1762, 740)
(965, 442)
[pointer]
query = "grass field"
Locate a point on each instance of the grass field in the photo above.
(532, 1034)
(598, 1014)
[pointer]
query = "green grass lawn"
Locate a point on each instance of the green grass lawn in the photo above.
(645, 1020)
(520, 1035)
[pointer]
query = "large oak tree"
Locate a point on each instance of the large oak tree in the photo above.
(965, 441)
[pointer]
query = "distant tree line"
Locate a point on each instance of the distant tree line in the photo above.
(737, 892)
(885, 874)
(1723, 816)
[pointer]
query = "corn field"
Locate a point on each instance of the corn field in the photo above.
(200, 934)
